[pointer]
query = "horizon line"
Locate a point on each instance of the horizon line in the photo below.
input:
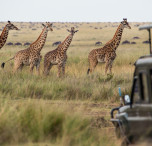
(79, 21)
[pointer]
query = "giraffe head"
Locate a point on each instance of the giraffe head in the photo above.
(48, 26)
(72, 31)
(125, 23)
(11, 26)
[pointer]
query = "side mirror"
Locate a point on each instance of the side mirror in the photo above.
(126, 100)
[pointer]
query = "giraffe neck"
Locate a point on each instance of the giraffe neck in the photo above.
(4, 36)
(117, 37)
(39, 43)
(66, 43)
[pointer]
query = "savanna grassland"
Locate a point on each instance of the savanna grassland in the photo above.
(72, 110)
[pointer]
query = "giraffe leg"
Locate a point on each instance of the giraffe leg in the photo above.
(17, 66)
(21, 67)
(31, 68)
(45, 72)
(47, 67)
(110, 61)
(110, 66)
(107, 66)
(50, 67)
(38, 68)
(38, 64)
(93, 65)
(63, 68)
(59, 70)
(107, 60)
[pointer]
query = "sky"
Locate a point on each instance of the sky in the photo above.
(76, 10)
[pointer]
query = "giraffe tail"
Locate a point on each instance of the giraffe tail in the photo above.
(3, 64)
(88, 71)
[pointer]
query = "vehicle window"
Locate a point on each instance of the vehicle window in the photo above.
(151, 79)
(136, 96)
(144, 87)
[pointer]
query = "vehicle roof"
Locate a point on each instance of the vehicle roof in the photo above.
(144, 61)
(145, 27)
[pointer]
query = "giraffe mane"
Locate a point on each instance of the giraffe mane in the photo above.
(3, 31)
(114, 35)
(60, 45)
(117, 30)
(38, 37)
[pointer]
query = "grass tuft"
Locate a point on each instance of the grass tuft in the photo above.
(36, 121)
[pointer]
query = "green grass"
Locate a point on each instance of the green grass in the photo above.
(37, 121)
(31, 122)
(93, 88)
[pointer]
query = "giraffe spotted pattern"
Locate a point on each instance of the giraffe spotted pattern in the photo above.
(4, 34)
(107, 54)
(31, 56)
(58, 56)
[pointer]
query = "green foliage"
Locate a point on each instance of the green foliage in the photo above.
(28, 123)
(93, 87)
(36, 121)
(53, 125)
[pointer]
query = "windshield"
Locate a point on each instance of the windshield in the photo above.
(144, 87)
(140, 91)
(136, 96)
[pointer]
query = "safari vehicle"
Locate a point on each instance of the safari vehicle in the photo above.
(133, 120)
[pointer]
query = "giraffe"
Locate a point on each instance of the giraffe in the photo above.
(107, 53)
(58, 56)
(4, 34)
(31, 56)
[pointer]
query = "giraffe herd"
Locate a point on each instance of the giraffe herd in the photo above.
(32, 55)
